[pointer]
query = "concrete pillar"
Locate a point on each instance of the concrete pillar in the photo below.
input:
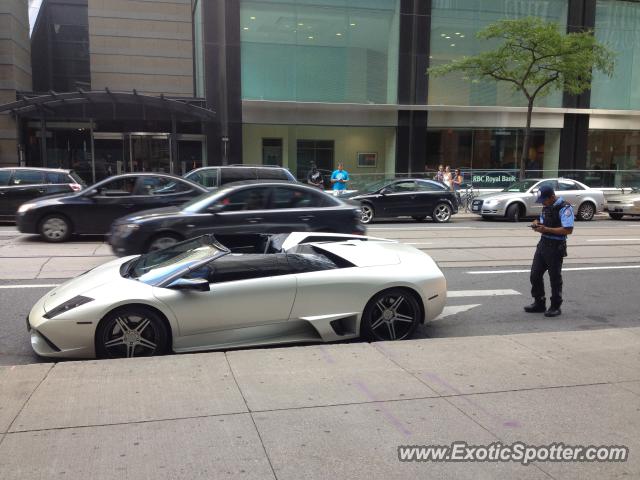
(15, 71)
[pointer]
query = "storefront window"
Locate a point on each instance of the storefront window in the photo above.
(618, 27)
(496, 151)
(613, 158)
(320, 50)
(454, 24)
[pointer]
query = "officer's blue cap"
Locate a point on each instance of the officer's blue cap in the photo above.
(546, 191)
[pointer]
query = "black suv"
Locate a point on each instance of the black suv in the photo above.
(21, 184)
(213, 177)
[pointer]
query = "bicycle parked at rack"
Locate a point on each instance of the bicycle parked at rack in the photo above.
(469, 195)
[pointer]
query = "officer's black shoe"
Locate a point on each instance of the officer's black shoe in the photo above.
(553, 312)
(538, 306)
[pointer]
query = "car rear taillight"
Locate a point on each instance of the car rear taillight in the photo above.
(76, 187)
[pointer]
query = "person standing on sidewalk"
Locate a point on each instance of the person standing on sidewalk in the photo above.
(339, 179)
(556, 222)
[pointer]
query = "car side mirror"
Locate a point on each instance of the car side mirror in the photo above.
(535, 191)
(385, 191)
(197, 284)
(93, 192)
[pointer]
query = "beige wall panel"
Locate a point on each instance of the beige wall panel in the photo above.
(143, 83)
(141, 65)
(140, 44)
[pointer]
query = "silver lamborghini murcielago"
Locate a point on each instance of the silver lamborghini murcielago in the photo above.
(212, 293)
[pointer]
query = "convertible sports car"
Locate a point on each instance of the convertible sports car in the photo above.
(257, 290)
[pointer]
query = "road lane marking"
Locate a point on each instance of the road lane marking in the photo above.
(481, 293)
(453, 310)
(40, 285)
(422, 228)
(613, 240)
(569, 269)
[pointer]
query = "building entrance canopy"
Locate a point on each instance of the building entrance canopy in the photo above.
(101, 133)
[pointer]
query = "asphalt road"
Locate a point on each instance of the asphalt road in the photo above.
(486, 293)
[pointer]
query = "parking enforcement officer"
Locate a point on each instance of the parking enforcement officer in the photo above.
(556, 222)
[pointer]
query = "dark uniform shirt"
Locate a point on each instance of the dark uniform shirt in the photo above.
(566, 219)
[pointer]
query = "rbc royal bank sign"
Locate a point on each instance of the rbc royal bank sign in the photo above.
(492, 179)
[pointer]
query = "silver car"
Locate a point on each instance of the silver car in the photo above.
(627, 204)
(518, 200)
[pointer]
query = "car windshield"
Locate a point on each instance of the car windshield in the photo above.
(520, 186)
(155, 267)
(375, 186)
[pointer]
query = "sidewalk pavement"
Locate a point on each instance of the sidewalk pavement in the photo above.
(325, 411)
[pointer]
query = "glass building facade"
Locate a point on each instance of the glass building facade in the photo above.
(320, 51)
(328, 81)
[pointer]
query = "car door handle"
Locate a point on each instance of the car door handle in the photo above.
(254, 219)
(306, 218)
(41, 190)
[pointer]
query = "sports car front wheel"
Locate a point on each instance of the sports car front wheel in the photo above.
(131, 332)
(393, 314)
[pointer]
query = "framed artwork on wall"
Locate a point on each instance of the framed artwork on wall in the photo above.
(367, 159)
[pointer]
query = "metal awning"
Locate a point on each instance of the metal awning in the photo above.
(52, 101)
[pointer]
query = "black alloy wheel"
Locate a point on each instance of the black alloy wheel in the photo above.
(131, 332)
(163, 240)
(392, 314)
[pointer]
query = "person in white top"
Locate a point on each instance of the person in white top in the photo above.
(448, 177)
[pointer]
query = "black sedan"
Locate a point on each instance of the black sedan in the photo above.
(240, 208)
(92, 211)
(415, 198)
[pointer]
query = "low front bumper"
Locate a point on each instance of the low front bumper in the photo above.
(26, 222)
(58, 338)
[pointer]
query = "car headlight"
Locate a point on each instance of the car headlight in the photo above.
(125, 229)
(26, 206)
(491, 202)
(68, 305)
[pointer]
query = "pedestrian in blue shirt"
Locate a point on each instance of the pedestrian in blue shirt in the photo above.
(339, 178)
(556, 222)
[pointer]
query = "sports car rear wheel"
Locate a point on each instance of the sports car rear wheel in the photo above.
(393, 314)
(131, 332)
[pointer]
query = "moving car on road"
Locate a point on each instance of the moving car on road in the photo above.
(21, 184)
(92, 211)
(626, 204)
(240, 208)
(518, 200)
(200, 295)
(415, 198)
(214, 177)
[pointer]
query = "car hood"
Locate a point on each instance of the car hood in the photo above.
(51, 199)
(149, 215)
(502, 196)
(85, 282)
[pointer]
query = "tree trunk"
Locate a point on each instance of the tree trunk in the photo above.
(527, 140)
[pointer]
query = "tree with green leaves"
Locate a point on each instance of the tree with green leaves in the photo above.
(537, 58)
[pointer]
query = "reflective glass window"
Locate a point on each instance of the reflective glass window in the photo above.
(454, 24)
(320, 50)
(618, 26)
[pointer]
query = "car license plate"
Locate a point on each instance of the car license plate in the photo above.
(475, 208)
